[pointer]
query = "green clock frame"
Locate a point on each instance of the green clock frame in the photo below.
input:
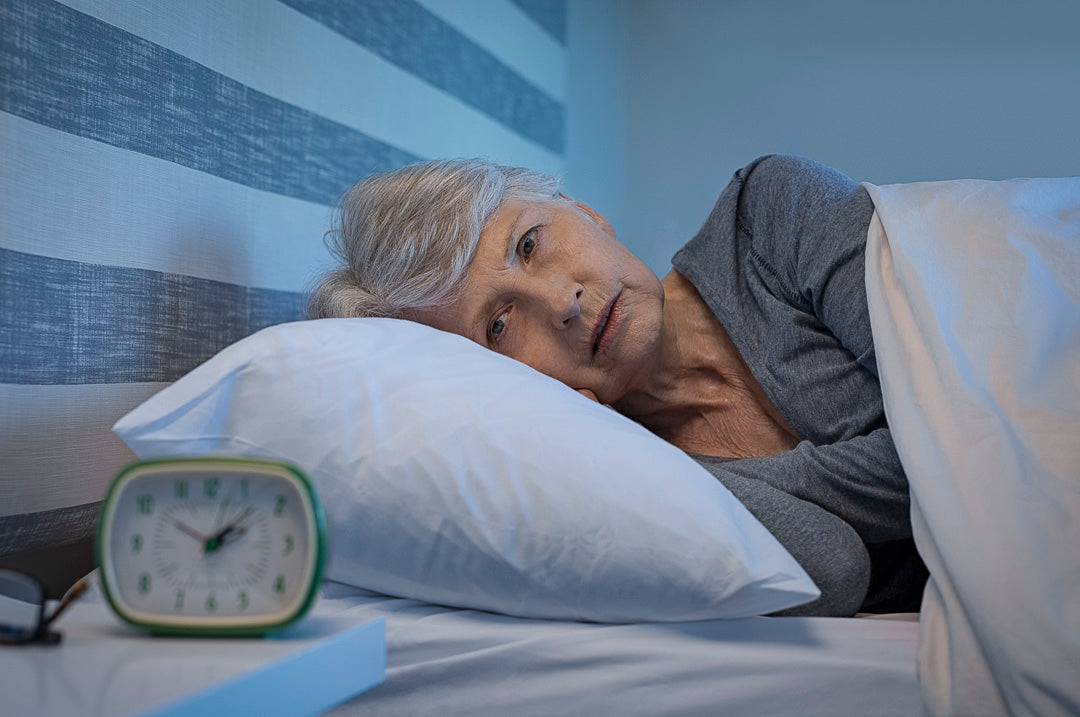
(194, 462)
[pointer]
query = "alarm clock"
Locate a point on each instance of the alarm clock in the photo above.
(211, 546)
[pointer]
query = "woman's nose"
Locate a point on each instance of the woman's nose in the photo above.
(562, 300)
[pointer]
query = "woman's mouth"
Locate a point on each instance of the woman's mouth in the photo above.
(607, 325)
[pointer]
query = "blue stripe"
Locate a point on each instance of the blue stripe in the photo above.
(414, 39)
(72, 72)
(66, 322)
(548, 14)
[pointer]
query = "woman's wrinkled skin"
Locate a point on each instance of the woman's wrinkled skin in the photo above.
(551, 286)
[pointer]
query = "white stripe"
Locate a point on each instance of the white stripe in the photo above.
(501, 28)
(57, 443)
(72, 198)
(283, 53)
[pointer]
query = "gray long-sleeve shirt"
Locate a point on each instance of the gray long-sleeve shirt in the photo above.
(780, 263)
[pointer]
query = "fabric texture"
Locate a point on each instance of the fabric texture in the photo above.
(827, 548)
(974, 295)
(454, 475)
(485, 665)
(780, 263)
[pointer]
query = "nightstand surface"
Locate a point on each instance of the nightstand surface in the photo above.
(104, 667)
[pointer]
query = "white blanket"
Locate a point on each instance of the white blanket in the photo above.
(974, 293)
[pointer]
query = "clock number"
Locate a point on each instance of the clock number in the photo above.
(136, 543)
(180, 488)
(144, 583)
(145, 504)
(289, 544)
(243, 598)
(211, 486)
(279, 584)
(179, 605)
(279, 505)
(211, 603)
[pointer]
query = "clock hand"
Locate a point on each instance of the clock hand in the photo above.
(235, 528)
(225, 537)
(221, 513)
(190, 531)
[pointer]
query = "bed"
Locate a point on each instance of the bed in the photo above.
(456, 661)
(514, 578)
(470, 508)
(451, 661)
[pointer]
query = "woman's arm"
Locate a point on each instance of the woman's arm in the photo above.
(828, 549)
(859, 480)
(806, 225)
(809, 223)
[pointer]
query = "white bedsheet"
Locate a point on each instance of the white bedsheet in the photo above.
(446, 661)
(974, 292)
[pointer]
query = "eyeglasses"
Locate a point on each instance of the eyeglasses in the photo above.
(22, 609)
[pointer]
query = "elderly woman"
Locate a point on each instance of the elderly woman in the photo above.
(754, 354)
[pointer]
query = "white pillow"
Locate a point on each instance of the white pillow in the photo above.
(455, 475)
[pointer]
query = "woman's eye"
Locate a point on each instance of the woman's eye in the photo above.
(528, 243)
(498, 326)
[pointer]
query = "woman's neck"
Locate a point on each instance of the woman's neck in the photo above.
(702, 396)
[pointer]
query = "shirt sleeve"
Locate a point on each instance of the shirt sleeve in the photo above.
(827, 548)
(809, 225)
(859, 480)
(786, 242)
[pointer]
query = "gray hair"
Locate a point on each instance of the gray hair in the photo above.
(404, 239)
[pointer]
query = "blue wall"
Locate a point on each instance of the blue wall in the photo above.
(596, 109)
(884, 91)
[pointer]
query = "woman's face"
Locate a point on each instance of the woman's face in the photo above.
(551, 286)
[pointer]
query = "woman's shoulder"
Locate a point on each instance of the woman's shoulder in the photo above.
(787, 177)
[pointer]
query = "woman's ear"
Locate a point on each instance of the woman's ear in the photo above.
(596, 216)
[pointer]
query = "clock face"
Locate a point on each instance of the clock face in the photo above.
(210, 544)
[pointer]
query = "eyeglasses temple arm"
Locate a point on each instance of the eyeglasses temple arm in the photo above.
(65, 602)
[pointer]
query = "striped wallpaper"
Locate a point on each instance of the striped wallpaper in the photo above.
(166, 175)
